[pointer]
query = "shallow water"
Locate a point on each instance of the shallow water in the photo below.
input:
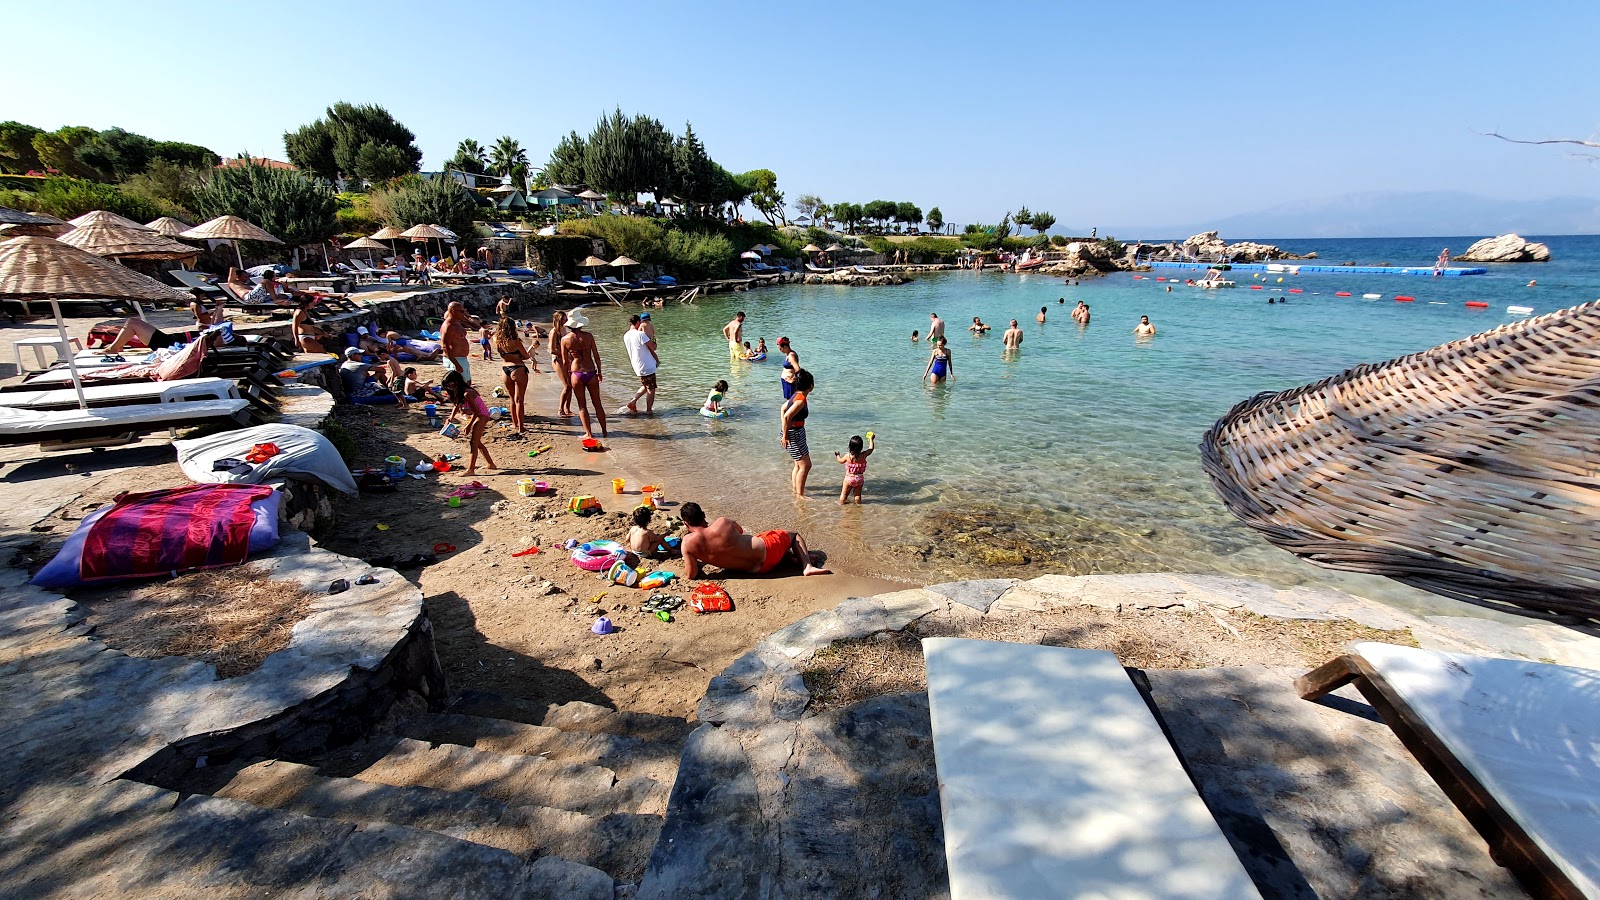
(1078, 453)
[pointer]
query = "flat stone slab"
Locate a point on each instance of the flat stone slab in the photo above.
(979, 594)
(1053, 772)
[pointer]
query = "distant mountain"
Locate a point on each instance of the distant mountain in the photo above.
(1402, 213)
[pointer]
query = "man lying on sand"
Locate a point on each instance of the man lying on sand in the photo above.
(723, 543)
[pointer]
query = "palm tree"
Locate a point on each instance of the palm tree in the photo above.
(507, 156)
(470, 152)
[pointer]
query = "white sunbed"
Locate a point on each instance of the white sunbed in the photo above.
(1514, 744)
(1055, 780)
(108, 425)
(181, 391)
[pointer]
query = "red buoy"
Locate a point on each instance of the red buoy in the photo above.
(1341, 293)
(1296, 291)
(1477, 304)
(1401, 298)
(1255, 287)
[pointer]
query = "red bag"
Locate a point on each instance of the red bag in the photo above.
(710, 598)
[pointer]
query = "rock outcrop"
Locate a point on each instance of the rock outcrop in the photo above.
(855, 279)
(1506, 248)
(1208, 245)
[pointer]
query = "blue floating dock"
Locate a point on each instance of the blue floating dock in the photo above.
(1308, 269)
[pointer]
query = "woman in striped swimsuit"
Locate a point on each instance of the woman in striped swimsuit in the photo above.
(793, 420)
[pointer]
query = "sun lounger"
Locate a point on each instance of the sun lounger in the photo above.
(187, 389)
(1514, 744)
(104, 426)
(1056, 780)
(198, 281)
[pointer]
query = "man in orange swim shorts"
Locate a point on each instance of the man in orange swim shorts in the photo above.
(724, 543)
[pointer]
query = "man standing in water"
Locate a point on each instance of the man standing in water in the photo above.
(453, 338)
(734, 332)
(1144, 328)
(723, 543)
(583, 366)
(1012, 339)
(1040, 317)
(642, 354)
(935, 328)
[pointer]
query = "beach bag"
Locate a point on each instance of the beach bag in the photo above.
(710, 598)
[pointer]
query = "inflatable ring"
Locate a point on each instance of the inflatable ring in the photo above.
(719, 414)
(598, 556)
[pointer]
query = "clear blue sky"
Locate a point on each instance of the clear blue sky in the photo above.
(1107, 114)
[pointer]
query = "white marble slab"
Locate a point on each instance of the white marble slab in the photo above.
(1529, 732)
(1056, 781)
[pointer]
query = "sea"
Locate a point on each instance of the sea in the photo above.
(1078, 454)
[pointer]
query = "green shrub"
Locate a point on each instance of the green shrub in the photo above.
(295, 208)
(168, 185)
(356, 215)
(697, 254)
(341, 439)
(21, 182)
(632, 236)
(560, 253)
(68, 198)
(439, 201)
(1113, 246)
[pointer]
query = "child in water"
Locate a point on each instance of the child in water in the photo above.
(714, 399)
(916, 335)
(643, 541)
(855, 466)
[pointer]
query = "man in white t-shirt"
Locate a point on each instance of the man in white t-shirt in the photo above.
(642, 353)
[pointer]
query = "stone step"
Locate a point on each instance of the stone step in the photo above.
(627, 756)
(616, 843)
(513, 779)
(574, 716)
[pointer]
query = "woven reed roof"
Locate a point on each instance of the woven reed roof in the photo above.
(42, 230)
(593, 261)
(1471, 470)
(101, 217)
(386, 233)
(169, 226)
(625, 261)
(37, 268)
(106, 239)
(425, 232)
(228, 228)
(366, 243)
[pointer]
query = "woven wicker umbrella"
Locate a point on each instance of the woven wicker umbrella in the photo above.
(229, 228)
(623, 262)
(594, 262)
(169, 226)
(388, 233)
(811, 248)
(1467, 470)
(102, 217)
(41, 268)
(424, 232)
(118, 241)
(43, 230)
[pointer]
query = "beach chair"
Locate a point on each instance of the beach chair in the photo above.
(112, 425)
(1514, 744)
(205, 285)
(1055, 779)
(185, 390)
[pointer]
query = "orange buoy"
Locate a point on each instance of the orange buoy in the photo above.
(1341, 293)
(1160, 279)
(1255, 287)
(1296, 291)
(1477, 304)
(1138, 278)
(1401, 298)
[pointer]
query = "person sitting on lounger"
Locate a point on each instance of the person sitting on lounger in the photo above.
(203, 316)
(269, 291)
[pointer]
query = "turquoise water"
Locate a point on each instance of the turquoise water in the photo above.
(1078, 452)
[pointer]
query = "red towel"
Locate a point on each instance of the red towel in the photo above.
(199, 526)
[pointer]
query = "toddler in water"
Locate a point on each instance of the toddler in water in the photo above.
(714, 399)
(643, 541)
(855, 466)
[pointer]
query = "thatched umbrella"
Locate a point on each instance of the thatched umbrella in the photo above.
(811, 248)
(622, 262)
(100, 216)
(169, 226)
(41, 268)
(424, 232)
(387, 233)
(366, 243)
(229, 228)
(45, 230)
(117, 241)
(594, 262)
(9, 216)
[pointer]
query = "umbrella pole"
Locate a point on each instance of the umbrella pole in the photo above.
(72, 358)
(237, 254)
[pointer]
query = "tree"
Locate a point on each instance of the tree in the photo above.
(59, 150)
(731, 189)
(851, 214)
(1023, 217)
(376, 163)
(116, 154)
(433, 201)
(17, 156)
(909, 213)
(565, 165)
(332, 147)
(470, 157)
(507, 156)
(290, 205)
(809, 206)
(695, 177)
(1003, 230)
(168, 185)
(627, 155)
(1041, 221)
(935, 220)
(764, 194)
(189, 156)
(880, 211)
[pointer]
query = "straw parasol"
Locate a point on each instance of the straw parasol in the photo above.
(41, 268)
(366, 243)
(423, 233)
(47, 229)
(1466, 470)
(750, 254)
(811, 248)
(229, 228)
(591, 195)
(594, 262)
(169, 226)
(387, 233)
(100, 216)
(835, 248)
(9, 216)
(623, 262)
(108, 240)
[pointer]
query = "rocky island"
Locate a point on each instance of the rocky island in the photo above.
(1505, 249)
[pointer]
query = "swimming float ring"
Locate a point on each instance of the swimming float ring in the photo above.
(598, 556)
(714, 414)
(757, 358)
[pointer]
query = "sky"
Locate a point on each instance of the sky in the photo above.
(1109, 115)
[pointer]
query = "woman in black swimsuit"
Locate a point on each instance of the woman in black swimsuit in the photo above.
(514, 354)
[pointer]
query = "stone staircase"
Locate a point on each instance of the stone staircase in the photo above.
(574, 792)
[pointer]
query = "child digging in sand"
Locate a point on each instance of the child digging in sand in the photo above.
(643, 541)
(469, 401)
(855, 466)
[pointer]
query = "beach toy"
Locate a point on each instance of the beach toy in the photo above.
(451, 430)
(658, 578)
(622, 573)
(431, 410)
(569, 543)
(454, 501)
(424, 466)
(871, 435)
(602, 625)
(714, 413)
(617, 484)
(442, 547)
(581, 502)
(1255, 287)
(544, 449)
(525, 487)
(592, 445)
(440, 465)
(528, 552)
(663, 615)
(1477, 304)
(710, 598)
(394, 466)
(598, 556)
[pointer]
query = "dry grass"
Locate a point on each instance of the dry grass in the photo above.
(851, 671)
(232, 618)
